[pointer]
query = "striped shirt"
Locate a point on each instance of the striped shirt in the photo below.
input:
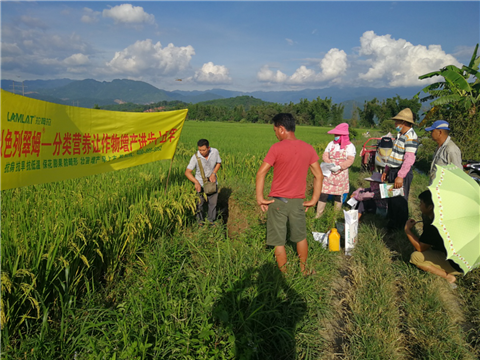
(407, 142)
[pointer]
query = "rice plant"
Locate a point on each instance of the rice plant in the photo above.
(113, 267)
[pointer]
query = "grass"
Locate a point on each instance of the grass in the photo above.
(165, 288)
(373, 330)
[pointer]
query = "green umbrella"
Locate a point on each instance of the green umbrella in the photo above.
(456, 197)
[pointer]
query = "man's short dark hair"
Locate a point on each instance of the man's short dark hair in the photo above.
(426, 197)
(286, 120)
(203, 142)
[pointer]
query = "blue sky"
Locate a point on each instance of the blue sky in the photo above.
(243, 46)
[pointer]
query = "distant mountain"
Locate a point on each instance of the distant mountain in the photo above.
(33, 85)
(194, 97)
(87, 93)
(338, 95)
(123, 90)
(246, 101)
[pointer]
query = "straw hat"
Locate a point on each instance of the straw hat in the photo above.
(340, 129)
(405, 115)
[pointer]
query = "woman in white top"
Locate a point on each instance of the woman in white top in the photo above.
(340, 152)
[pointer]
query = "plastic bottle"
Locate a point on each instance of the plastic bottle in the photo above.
(334, 240)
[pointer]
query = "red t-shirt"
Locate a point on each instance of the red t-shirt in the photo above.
(291, 160)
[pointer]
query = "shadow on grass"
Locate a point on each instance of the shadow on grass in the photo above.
(423, 165)
(222, 203)
(356, 169)
(261, 311)
(395, 240)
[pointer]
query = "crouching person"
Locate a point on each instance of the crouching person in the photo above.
(369, 199)
(430, 254)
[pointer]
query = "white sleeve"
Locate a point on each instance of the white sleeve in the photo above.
(329, 147)
(217, 156)
(193, 163)
(351, 151)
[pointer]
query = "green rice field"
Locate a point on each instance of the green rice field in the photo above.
(113, 266)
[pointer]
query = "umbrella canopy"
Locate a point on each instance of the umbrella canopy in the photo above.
(456, 197)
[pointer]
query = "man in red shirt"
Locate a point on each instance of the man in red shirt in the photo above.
(290, 158)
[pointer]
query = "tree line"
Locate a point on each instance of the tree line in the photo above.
(317, 112)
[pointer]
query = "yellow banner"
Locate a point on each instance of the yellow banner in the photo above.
(45, 142)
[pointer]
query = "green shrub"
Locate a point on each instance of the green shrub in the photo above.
(388, 126)
(465, 129)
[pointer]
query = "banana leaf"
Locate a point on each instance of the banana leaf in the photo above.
(447, 99)
(429, 75)
(471, 71)
(457, 80)
(474, 61)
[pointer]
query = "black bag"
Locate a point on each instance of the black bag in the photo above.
(208, 187)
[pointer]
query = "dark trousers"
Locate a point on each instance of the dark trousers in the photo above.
(367, 206)
(212, 206)
(397, 213)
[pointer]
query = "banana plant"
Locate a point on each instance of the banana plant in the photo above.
(456, 88)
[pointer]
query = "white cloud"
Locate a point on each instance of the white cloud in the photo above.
(49, 62)
(36, 52)
(212, 74)
(33, 22)
(77, 59)
(302, 75)
(289, 41)
(398, 62)
(11, 49)
(128, 14)
(333, 65)
(146, 56)
(267, 75)
(90, 16)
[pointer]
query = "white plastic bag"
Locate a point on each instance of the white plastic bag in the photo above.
(351, 230)
(322, 238)
(326, 168)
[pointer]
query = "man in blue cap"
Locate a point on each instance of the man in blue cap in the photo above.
(447, 152)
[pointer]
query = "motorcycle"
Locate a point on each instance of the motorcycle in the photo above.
(472, 168)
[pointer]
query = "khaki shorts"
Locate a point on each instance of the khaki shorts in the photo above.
(281, 213)
(433, 258)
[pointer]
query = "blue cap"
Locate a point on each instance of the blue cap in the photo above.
(439, 124)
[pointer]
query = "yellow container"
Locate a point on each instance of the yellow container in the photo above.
(334, 240)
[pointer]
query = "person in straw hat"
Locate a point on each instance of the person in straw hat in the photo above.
(369, 199)
(398, 169)
(340, 152)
